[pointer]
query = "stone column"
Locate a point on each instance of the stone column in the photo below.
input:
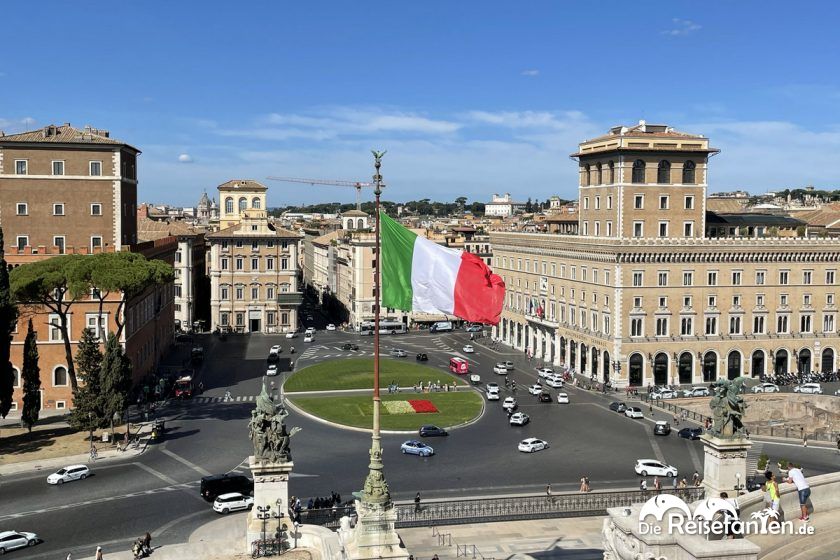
(271, 489)
(725, 464)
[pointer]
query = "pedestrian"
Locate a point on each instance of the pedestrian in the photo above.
(583, 484)
(796, 478)
(643, 485)
(657, 486)
(548, 492)
(435, 557)
(417, 504)
(69, 556)
(98, 553)
(695, 480)
(674, 485)
(805, 440)
(586, 483)
(147, 543)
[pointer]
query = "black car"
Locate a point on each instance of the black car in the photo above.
(349, 346)
(430, 431)
(619, 407)
(421, 357)
(218, 484)
(545, 397)
(690, 433)
(661, 428)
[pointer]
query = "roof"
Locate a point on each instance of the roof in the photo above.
(827, 216)
(230, 231)
(353, 214)
(65, 134)
(242, 184)
(752, 219)
(725, 204)
(645, 129)
(151, 230)
(328, 237)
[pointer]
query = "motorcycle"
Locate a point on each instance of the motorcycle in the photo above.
(292, 350)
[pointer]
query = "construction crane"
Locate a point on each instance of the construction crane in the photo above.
(358, 185)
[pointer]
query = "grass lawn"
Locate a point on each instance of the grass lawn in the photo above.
(357, 373)
(453, 409)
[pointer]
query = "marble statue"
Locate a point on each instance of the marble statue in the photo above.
(267, 430)
(728, 408)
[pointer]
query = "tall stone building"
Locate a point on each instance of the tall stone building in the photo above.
(642, 296)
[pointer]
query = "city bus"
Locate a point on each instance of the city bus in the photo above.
(385, 327)
(459, 365)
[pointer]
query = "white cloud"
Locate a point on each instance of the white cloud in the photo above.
(682, 27)
(530, 73)
(185, 158)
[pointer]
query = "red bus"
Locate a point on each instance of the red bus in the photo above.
(459, 365)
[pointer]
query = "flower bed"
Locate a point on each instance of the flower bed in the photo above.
(421, 406)
(398, 407)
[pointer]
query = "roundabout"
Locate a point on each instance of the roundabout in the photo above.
(337, 391)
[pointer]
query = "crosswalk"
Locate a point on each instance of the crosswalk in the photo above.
(752, 456)
(232, 399)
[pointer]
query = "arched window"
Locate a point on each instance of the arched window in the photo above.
(663, 174)
(243, 203)
(660, 369)
(15, 377)
(612, 172)
(60, 376)
(360, 224)
(636, 365)
(255, 203)
(757, 363)
(688, 172)
(598, 176)
(733, 365)
(780, 363)
(229, 205)
(710, 367)
(587, 175)
(827, 362)
(638, 171)
(685, 367)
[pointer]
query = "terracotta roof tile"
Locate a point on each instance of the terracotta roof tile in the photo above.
(64, 134)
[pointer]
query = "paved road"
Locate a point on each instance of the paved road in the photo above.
(157, 491)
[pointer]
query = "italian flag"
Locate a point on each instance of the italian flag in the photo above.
(420, 275)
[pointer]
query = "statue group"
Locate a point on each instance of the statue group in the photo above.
(728, 408)
(268, 432)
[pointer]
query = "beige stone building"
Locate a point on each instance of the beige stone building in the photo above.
(253, 266)
(643, 296)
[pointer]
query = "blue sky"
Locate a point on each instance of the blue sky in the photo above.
(469, 98)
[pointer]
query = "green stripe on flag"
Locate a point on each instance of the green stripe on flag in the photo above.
(397, 254)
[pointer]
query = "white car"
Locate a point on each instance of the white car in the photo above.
(234, 501)
(634, 412)
(532, 444)
(275, 349)
(309, 331)
(696, 392)
(765, 388)
(397, 353)
(10, 540)
(492, 395)
(545, 371)
(519, 419)
(663, 394)
(554, 381)
(535, 389)
(272, 370)
(330, 327)
(67, 474)
(562, 398)
(509, 404)
(500, 369)
(652, 467)
(468, 349)
(309, 338)
(291, 335)
(809, 388)
(837, 393)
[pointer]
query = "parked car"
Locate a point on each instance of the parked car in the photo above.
(544, 397)
(554, 381)
(661, 428)
(468, 349)
(349, 346)
(430, 430)
(414, 447)
(766, 388)
(10, 540)
(500, 369)
(509, 404)
(330, 327)
(68, 474)
(218, 484)
(545, 371)
(234, 501)
(653, 467)
(563, 398)
(519, 419)
(531, 445)
(663, 394)
(292, 334)
(508, 364)
(474, 328)
(272, 370)
(619, 407)
(690, 433)
(696, 392)
(809, 388)
(634, 412)
(397, 353)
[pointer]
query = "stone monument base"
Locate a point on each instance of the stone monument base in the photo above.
(374, 536)
(725, 465)
(271, 489)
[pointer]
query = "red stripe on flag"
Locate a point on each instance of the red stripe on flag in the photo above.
(479, 294)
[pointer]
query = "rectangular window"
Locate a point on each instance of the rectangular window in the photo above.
(98, 325)
(829, 299)
(609, 203)
(759, 300)
(255, 245)
(734, 325)
(271, 318)
(554, 269)
(784, 276)
(609, 229)
(637, 279)
(663, 202)
(758, 324)
(240, 263)
(21, 166)
(689, 203)
(711, 278)
(585, 232)
(240, 292)
(736, 301)
(255, 264)
(637, 302)
(240, 319)
(224, 264)
(597, 229)
(607, 325)
(177, 291)
(58, 209)
(55, 331)
(783, 300)
(22, 209)
(284, 264)
(712, 301)
(663, 229)
(639, 202)
(686, 326)
(805, 324)
(688, 278)
(688, 229)
(829, 277)
(238, 243)
(736, 278)
(58, 168)
(663, 301)
(806, 276)
(255, 293)
(636, 327)
(806, 300)
(662, 326)
(95, 168)
(638, 229)
(828, 323)
(711, 326)
(586, 203)
(224, 318)
(96, 209)
(662, 279)
(58, 243)
(687, 302)
(606, 277)
(95, 243)
(269, 293)
(759, 278)
(597, 203)
(782, 324)
(269, 264)
(224, 293)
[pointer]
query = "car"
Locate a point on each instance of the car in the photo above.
(309, 318)
(535, 389)
(349, 346)
(468, 349)
(422, 357)
(508, 364)
(619, 407)
(809, 388)
(837, 393)
(272, 370)
(330, 327)
(519, 419)
(509, 404)
(397, 353)
(766, 388)
(545, 396)
(634, 412)
(414, 447)
(309, 330)
(653, 467)
(500, 369)
(309, 338)
(292, 334)
(554, 381)
(493, 395)
(663, 394)
(492, 386)
(696, 392)
(276, 349)
(474, 328)
(430, 430)
(218, 484)
(690, 433)
(563, 398)
(531, 445)
(234, 501)
(10, 540)
(545, 371)
(661, 428)
(67, 474)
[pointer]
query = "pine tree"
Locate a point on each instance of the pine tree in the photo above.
(115, 380)
(8, 318)
(31, 375)
(87, 413)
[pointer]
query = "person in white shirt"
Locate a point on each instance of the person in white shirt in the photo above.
(796, 477)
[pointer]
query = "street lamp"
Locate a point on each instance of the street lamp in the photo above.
(263, 514)
(90, 423)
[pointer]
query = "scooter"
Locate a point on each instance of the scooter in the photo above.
(292, 350)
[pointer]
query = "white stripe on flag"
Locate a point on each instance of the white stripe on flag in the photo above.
(434, 270)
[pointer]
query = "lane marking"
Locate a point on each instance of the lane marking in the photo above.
(190, 464)
(156, 473)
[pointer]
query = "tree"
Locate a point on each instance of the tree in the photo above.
(529, 206)
(8, 319)
(87, 413)
(115, 379)
(31, 375)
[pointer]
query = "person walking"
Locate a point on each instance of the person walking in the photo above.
(695, 480)
(796, 478)
(417, 502)
(98, 553)
(643, 486)
(657, 486)
(586, 483)
(583, 484)
(147, 543)
(674, 485)
(548, 493)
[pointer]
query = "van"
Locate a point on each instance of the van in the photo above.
(459, 365)
(218, 484)
(441, 326)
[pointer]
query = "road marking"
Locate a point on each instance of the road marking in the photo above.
(695, 458)
(191, 465)
(156, 473)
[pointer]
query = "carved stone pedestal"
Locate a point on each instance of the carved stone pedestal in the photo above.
(374, 535)
(271, 489)
(725, 465)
